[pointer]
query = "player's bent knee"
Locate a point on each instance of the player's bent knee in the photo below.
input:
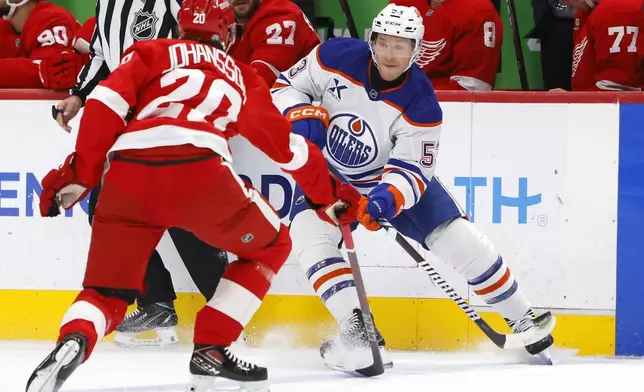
(313, 239)
(463, 246)
(274, 255)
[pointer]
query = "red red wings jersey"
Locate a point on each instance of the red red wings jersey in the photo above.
(609, 47)
(83, 38)
(183, 93)
(48, 30)
(461, 48)
(277, 36)
(9, 41)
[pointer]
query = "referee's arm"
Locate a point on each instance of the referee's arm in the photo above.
(93, 72)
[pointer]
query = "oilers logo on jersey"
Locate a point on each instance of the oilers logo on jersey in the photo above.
(351, 141)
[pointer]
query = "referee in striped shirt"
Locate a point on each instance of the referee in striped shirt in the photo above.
(119, 24)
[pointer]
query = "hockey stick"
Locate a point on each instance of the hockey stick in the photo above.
(377, 368)
(518, 50)
(545, 323)
(348, 16)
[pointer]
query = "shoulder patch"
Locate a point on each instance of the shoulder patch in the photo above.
(299, 67)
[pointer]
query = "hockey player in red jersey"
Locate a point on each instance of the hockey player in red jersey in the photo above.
(609, 45)
(83, 38)
(272, 35)
(163, 118)
(9, 40)
(461, 49)
(47, 58)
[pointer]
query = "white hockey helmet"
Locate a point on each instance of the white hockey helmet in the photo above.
(13, 5)
(399, 21)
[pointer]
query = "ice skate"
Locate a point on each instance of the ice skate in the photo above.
(539, 348)
(210, 363)
(351, 350)
(159, 317)
(50, 375)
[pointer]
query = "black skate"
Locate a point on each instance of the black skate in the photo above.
(341, 354)
(209, 363)
(50, 375)
(159, 317)
(540, 348)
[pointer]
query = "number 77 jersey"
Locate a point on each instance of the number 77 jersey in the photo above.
(609, 47)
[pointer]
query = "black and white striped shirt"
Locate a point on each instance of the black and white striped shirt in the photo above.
(119, 24)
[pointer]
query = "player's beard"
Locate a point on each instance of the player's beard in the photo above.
(244, 17)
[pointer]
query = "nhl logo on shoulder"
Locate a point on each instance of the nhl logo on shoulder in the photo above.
(144, 26)
(246, 238)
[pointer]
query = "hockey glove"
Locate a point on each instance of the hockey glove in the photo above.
(60, 188)
(383, 203)
(343, 210)
(59, 71)
(310, 122)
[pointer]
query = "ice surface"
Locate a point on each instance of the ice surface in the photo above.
(114, 369)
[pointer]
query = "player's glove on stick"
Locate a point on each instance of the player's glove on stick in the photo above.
(60, 71)
(61, 188)
(343, 210)
(383, 202)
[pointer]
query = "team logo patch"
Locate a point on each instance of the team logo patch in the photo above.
(144, 26)
(300, 200)
(301, 66)
(351, 142)
(246, 238)
(336, 90)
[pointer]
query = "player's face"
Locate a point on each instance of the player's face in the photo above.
(392, 55)
(436, 4)
(578, 4)
(4, 8)
(244, 9)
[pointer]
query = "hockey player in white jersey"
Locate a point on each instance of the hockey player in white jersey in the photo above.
(379, 124)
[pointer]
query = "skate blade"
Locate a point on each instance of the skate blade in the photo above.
(165, 337)
(208, 383)
(350, 361)
(546, 357)
(45, 380)
(387, 362)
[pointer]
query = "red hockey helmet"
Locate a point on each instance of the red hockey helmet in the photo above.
(208, 21)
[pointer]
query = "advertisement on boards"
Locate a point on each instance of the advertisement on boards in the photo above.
(516, 180)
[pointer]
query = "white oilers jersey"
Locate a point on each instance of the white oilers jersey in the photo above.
(388, 136)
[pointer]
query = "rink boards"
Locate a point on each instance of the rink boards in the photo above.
(555, 180)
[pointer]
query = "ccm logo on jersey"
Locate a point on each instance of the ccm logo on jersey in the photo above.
(351, 141)
(306, 112)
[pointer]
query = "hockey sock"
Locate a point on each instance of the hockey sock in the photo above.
(240, 293)
(93, 315)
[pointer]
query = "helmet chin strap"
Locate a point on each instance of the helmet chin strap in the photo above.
(590, 3)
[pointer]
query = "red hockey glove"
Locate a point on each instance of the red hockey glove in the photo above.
(59, 71)
(60, 188)
(343, 210)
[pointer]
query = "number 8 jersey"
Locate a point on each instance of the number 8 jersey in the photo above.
(609, 47)
(461, 49)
